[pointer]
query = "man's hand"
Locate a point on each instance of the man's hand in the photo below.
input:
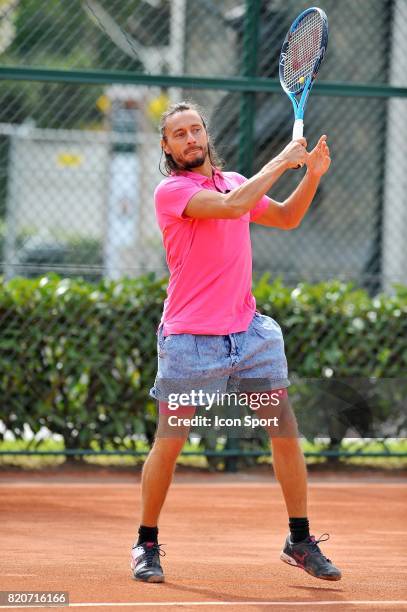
(295, 153)
(318, 160)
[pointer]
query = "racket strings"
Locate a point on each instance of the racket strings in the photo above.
(304, 46)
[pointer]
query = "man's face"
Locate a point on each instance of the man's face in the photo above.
(186, 139)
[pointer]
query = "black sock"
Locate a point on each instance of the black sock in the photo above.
(147, 534)
(299, 529)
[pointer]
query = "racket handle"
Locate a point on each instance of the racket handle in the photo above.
(298, 129)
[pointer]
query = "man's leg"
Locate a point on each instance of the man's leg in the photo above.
(288, 461)
(300, 548)
(157, 475)
(288, 458)
(290, 471)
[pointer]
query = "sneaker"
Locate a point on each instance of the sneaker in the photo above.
(145, 562)
(308, 556)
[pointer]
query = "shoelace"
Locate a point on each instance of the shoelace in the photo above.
(151, 551)
(314, 544)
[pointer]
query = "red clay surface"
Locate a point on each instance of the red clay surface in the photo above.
(222, 535)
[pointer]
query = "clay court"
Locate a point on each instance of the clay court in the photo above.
(222, 535)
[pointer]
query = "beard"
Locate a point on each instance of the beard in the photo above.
(195, 163)
(199, 160)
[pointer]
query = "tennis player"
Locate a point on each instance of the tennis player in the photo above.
(210, 333)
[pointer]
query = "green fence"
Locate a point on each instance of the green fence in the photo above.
(82, 87)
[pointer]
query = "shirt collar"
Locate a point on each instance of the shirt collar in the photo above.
(201, 178)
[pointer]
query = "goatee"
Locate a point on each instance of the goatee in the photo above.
(195, 163)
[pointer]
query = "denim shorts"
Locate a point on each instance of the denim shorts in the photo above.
(253, 360)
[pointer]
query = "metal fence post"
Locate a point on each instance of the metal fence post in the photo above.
(248, 99)
(246, 130)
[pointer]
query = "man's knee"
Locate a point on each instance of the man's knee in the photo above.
(168, 446)
(280, 419)
(174, 425)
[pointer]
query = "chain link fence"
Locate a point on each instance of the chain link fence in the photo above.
(83, 84)
(79, 163)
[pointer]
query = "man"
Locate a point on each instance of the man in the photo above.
(210, 333)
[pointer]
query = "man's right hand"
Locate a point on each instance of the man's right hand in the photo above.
(295, 153)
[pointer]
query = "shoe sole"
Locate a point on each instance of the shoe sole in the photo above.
(287, 559)
(155, 579)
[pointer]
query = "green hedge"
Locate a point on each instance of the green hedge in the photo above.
(79, 358)
(336, 326)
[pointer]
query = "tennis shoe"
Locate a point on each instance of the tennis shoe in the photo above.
(145, 562)
(308, 556)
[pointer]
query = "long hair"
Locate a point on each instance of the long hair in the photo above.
(170, 165)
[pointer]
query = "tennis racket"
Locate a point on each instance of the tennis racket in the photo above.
(301, 55)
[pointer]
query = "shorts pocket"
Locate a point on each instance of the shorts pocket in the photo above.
(265, 326)
(161, 341)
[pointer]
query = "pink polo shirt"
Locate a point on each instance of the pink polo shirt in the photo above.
(210, 260)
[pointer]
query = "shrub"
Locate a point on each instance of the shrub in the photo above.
(80, 358)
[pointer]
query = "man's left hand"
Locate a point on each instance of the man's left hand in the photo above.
(318, 160)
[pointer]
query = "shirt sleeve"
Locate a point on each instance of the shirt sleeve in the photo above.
(171, 198)
(259, 209)
(261, 205)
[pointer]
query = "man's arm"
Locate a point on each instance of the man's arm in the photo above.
(289, 214)
(208, 204)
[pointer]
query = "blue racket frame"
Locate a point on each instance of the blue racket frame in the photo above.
(304, 88)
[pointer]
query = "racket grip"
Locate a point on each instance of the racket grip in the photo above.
(298, 129)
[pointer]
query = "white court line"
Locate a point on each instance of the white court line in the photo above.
(331, 602)
(199, 485)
